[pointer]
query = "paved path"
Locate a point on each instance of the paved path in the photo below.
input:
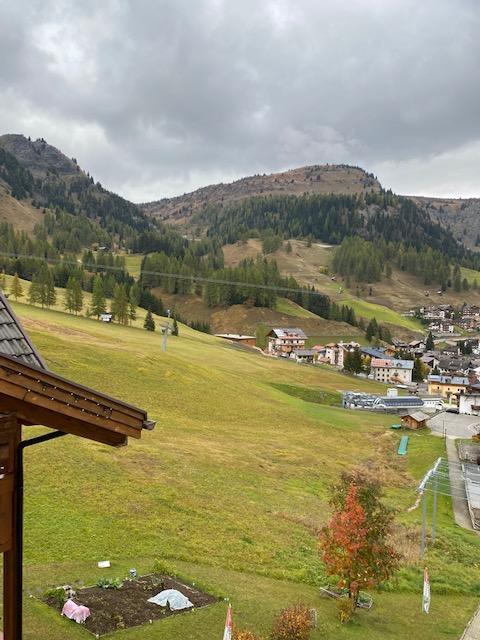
(472, 632)
(457, 486)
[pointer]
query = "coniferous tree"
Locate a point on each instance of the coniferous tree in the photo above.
(430, 344)
(133, 301)
(120, 304)
(418, 370)
(372, 329)
(16, 289)
(34, 291)
(149, 323)
(73, 299)
(175, 327)
(99, 302)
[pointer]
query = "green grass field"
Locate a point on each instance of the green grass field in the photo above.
(284, 305)
(382, 314)
(229, 489)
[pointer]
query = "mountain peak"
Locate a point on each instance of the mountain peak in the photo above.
(320, 179)
(38, 156)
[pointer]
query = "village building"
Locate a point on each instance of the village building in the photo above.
(414, 420)
(334, 353)
(430, 358)
(390, 370)
(469, 402)
(470, 311)
(249, 341)
(282, 341)
(441, 327)
(308, 356)
(374, 352)
(450, 388)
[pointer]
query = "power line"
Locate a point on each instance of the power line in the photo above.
(178, 276)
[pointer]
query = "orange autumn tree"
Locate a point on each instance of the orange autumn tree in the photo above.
(354, 543)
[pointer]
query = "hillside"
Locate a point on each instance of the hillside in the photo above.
(39, 176)
(320, 179)
(230, 494)
(462, 216)
(311, 265)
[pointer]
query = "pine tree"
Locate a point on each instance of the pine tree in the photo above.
(16, 289)
(133, 299)
(430, 344)
(175, 327)
(149, 323)
(99, 303)
(120, 304)
(417, 374)
(372, 329)
(34, 291)
(73, 299)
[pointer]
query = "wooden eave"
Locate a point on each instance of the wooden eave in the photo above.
(38, 396)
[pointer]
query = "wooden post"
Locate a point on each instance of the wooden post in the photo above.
(10, 437)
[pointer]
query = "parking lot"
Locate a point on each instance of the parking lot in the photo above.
(456, 425)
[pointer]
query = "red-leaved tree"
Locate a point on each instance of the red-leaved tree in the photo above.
(354, 543)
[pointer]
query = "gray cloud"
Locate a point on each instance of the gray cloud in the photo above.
(155, 97)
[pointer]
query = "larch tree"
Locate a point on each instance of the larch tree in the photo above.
(16, 289)
(354, 544)
(99, 302)
(120, 304)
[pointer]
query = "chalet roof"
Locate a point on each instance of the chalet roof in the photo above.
(288, 332)
(304, 352)
(14, 341)
(38, 396)
(456, 380)
(391, 363)
(374, 353)
(418, 416)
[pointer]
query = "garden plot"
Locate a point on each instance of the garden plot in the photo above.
(126, 604)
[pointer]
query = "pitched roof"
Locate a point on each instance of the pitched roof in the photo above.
(392, 364)
(14, 341)
(288, 332)
(304, 352)
(418, 416)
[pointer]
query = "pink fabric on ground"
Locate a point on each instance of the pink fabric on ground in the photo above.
(75, 612)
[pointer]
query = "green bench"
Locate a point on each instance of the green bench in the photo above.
(402, 447)
(396, 426)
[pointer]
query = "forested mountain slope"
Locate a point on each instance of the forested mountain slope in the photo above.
(315, 179)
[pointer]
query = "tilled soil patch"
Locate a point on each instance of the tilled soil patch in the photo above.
(115, 609)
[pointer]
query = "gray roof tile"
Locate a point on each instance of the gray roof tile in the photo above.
(14, 342)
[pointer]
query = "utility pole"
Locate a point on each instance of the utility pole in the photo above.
(166, 327)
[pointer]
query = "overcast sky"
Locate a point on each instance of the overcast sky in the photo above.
(157, 97)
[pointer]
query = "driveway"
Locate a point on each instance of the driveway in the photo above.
(456, 425)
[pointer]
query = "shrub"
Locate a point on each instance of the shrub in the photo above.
(293, 623)
(244, 634)
(346, 608)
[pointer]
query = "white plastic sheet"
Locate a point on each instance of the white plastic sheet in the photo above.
(175, 600)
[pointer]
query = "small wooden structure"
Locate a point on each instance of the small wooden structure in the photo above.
(32, 395)
(414, 420)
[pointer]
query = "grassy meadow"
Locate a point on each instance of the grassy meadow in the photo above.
(229, 490)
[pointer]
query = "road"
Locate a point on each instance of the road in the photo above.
(457, 426)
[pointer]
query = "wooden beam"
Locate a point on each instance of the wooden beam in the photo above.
(11, 429)
(31, 414)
